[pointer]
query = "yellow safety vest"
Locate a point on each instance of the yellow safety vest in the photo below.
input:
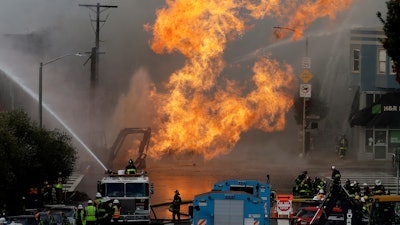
(90, 213)
(117, 212)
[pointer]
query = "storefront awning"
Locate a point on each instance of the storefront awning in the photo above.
(383, 113)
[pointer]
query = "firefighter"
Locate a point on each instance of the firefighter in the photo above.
(90, 214)
(367, 204)
(378, 189)
(110, 211)
(130, 168)
(336, 175)
(318, 184)
(298, 181)
(103, 212)
(320, 196)
(47, 193)
(343, 144)
(305, 189)
(97, 201)
(347, 185)
(59, 190)
(356, 188)
(116, 211)
(351, 191)
(366, 190)
(80, 216)
(176, 206)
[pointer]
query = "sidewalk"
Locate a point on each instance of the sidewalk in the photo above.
(349, 162)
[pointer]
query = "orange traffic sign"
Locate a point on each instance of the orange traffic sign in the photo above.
(306, 76)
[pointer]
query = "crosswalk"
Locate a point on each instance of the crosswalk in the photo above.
(388, 180)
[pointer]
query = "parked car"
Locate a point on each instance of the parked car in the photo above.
(306, 214)
(68, 210)
(54, 217)
(22, 219)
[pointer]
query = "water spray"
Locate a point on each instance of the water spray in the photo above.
(54, 114)
(266, 49)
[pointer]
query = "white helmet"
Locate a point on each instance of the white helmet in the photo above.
(378, 182)
(106, 199)
(321, 191)
(80, 206)
(90, 202)
(115, 201)
(98, 195)
(333, 167)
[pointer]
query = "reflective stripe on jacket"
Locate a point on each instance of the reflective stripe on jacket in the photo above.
(117, 212)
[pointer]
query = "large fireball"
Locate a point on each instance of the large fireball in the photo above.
(201, 111)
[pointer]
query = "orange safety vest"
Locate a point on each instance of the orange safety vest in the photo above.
(117, 212)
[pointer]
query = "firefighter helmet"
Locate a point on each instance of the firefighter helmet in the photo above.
(80, 206)
(116, 201)
(90, 202)
(98, 195)
(130, 162)
(106, 199)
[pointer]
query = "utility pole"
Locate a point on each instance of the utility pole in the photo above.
(94, 68)
(305, 92)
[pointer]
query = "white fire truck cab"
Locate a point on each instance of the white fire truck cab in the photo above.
(133, 193)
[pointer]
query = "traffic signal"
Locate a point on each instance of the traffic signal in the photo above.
(314, 125)
(307, 107)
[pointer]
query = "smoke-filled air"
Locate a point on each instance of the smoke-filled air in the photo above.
(200, 109)
(211, 78)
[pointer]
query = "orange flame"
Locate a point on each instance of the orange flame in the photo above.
(197, 113)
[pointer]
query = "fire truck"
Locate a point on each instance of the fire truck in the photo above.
(237, 201)
(132, 191)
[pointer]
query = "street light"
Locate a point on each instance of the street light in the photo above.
(306, 65)
(40, 80)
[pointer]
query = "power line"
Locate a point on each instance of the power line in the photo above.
(94, 69)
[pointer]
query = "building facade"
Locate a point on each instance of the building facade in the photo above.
(375, 116)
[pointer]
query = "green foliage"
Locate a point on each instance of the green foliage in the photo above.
(30, 156)
(391, 27)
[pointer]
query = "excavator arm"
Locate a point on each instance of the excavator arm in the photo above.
(140, 161)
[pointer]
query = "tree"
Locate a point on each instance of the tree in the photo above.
(30, 156)
(391, 27)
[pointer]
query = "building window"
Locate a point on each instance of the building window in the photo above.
(356, 60)
(381, 61)
(372, 98)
